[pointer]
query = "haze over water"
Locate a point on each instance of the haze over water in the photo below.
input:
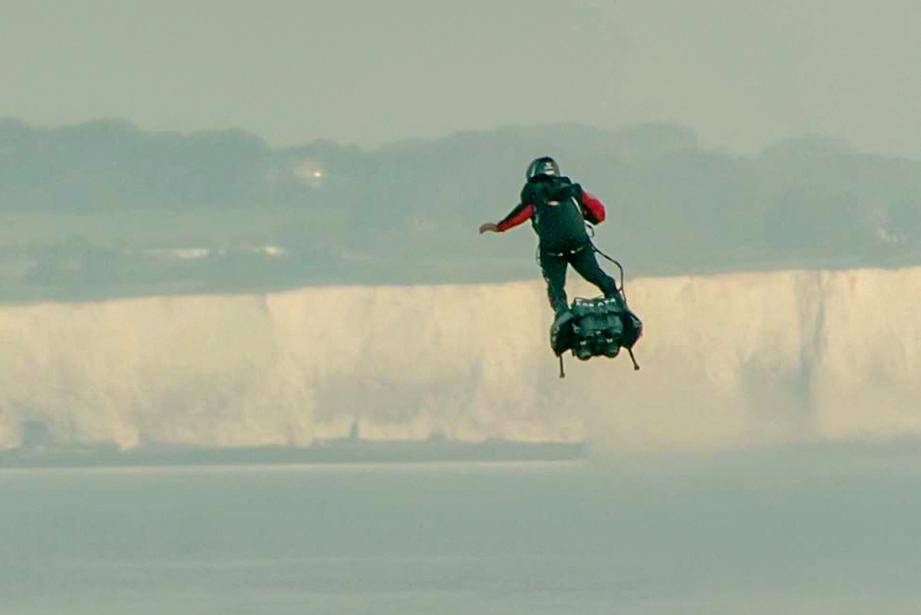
(787, 532)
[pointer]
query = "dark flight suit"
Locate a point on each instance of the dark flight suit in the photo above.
(558, 210)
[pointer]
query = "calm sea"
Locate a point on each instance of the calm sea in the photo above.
(726, 535)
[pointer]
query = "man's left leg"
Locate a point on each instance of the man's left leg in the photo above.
(586, 264)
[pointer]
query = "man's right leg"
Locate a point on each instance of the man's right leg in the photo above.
(554, 270)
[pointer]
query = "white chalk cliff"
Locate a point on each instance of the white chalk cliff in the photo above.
(728, 360)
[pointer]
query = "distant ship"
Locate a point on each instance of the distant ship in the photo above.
(37, 452)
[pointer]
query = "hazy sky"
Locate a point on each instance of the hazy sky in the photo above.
(742, 72)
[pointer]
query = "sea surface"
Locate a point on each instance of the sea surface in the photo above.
(802, 532)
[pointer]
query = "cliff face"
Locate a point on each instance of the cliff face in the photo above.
(727, 361)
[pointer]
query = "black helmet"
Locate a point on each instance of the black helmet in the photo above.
(545, 165)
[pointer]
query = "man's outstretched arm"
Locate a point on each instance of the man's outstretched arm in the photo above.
(517, 216)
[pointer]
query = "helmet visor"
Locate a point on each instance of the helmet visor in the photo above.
(543, 166)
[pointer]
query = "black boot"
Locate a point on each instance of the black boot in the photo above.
(618, 297)
(561, 331)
